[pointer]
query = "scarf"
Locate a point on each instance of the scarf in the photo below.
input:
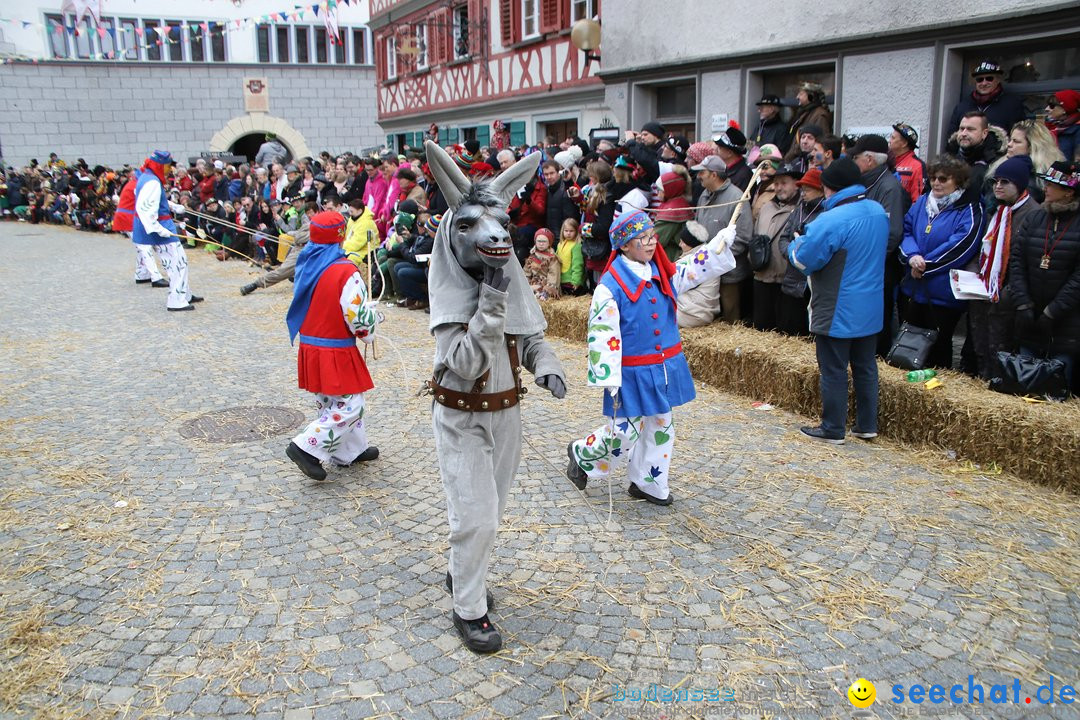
(987, 98)
(1056, 126)
(311, 263)
(665, 270)
(994, 259)
(934, 205)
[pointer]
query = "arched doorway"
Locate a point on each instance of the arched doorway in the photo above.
(257, 125)
(248, 145)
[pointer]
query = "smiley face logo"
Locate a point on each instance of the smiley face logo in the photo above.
(862, 693)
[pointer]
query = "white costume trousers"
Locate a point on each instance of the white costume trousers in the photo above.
(645, 443)
(145, 265)
(337, 433)
(174, 262)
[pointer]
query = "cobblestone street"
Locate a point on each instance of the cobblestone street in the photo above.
(156, 563)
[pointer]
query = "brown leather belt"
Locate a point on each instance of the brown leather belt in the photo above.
(476, 401)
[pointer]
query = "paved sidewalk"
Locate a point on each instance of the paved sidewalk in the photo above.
(148, 570)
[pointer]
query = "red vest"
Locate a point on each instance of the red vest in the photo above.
(330, 370)
(124, 218)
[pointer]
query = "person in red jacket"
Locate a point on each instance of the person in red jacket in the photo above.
(528, 211)
(329, 310)
(146, 270)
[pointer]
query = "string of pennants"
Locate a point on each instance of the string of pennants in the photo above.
(170, 34)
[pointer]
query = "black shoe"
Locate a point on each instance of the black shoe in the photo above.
(450, 588)
(863, 435)
(574, 473)
(195, 299)
(140, 282)
(638, 494)
(479, 635)
(248, 289)
(818, 434)
(181, 309)
(159, 283)
(308, 464)
(367, 456)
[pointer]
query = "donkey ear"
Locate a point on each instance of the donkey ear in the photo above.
(451, 180)
(505, 186)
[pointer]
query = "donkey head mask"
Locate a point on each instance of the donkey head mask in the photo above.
(477, 230)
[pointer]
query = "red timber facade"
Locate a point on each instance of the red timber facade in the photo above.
(462, 64)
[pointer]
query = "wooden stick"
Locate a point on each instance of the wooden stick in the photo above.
(746, 194)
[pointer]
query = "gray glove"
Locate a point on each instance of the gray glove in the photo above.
(496, 278)
(554, 384)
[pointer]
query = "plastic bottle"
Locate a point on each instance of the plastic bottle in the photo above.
(920, 375)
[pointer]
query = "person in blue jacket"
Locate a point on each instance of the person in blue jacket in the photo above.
(843, 253)
(942, 231)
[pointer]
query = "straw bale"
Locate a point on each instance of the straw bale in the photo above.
(1035, 441)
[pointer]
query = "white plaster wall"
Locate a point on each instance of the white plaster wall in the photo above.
(99, 111)
(883, 88)
(640, 34)
(721, 92)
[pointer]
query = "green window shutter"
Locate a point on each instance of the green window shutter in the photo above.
(483, 134)
(517, 133)
(444, 137)
(390, 142)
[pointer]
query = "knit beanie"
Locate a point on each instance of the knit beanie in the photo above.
(841, 174)
(1017, 170)
(674, 185)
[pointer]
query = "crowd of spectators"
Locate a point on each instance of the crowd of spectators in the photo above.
(984, 203)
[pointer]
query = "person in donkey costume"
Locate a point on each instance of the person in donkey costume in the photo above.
(487, 326)
(635, 354)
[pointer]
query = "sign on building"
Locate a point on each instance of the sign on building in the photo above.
(256, 94)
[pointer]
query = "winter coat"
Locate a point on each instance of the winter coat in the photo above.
(911, 172)
(1004, 111)
(571, 262)
(883, 187)
(955, 237)
(699, 305)
(542, 270)
(357, 231)
(794, 283)
(771, 221)
(559, 207)
(529, 206)
(843, 253)
(739, 173)
(812, 114)
(716, 219)
(1068, 140)
(648, 157)
(774, 131)
(1054, 290)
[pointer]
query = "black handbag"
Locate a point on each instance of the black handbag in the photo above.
(1037, 377)
(759, 252)
(912, 347)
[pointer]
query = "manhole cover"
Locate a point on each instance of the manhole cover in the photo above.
(241, 424)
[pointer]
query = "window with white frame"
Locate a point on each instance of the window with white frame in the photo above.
(582, 10)
(147, 39)
(293, 43)
(421, 46)
(391, 57)
(530, 19)
(460, 19)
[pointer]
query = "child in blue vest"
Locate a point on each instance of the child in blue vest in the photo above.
(635, 354)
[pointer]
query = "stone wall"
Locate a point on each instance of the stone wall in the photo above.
(112, 113)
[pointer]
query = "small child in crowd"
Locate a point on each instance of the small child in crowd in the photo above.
(542, 267)
(571, 260)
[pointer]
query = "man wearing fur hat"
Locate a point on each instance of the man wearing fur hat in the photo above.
(329, 310)
(635, 354)
(811, 110)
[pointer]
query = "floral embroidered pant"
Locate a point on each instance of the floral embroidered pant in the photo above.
(174, 263)
(145, 265)
(645, 443)
(338, 433)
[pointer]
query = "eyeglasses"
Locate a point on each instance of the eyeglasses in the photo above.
(985, 78)
(941, 178)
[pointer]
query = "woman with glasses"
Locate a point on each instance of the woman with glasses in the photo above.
(1063, 121)
(942, 231)
(1001, 107)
